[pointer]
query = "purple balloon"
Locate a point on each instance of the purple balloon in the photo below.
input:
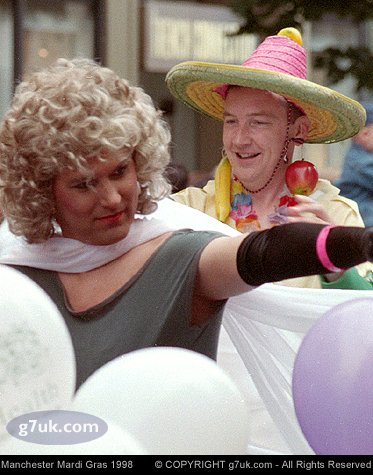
(333, 381)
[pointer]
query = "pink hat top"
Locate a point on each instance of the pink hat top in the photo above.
(278, 54)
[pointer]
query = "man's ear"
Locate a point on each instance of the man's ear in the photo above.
(365, 138)
(301, 128)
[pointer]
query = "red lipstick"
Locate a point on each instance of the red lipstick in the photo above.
(112, 218)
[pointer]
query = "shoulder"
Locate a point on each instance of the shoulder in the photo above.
(185, 245)
(344, 210)
(330, 193)
(192, 238)
(195, 197)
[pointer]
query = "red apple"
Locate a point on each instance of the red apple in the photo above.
(301, 177)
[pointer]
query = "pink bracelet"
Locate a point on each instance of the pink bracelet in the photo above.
(321, 250)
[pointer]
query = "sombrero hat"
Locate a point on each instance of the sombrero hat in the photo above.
(277, 65)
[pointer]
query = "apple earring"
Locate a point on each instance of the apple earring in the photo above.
(301, 176)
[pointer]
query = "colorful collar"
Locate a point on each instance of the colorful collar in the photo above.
(244, 215)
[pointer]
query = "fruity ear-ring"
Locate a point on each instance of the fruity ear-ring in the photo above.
(301, 177)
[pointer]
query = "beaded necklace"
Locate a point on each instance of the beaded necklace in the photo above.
(252, 192)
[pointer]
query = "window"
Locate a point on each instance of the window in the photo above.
(6, 55)
(45, 30)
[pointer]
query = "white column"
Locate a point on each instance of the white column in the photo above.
(123, 38)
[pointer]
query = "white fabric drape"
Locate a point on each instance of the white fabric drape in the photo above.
(262, 331)
(265, 327)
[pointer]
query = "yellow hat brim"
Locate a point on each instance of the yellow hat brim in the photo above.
(333, 116)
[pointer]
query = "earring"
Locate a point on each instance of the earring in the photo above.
(302, 152)
(138, 188)
(55, 228)
(299, 141)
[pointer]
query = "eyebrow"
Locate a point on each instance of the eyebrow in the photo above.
(92, 176)
(81, 179)
(252, 114)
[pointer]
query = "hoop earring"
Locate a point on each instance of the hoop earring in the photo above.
(138, 188)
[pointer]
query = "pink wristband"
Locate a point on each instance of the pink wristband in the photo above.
(321, 250)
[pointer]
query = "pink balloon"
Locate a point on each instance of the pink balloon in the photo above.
(333, 381)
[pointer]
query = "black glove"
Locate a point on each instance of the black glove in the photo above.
(368, 243)
(289, 251)
(346, 245)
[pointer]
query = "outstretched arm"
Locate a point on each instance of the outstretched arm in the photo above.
(229, 266)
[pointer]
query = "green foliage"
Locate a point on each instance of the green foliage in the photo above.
(339, 64)
(266, 17)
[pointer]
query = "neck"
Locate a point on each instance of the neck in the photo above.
(269, 196)
(270, 190)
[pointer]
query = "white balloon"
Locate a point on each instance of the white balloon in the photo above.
(116, 441)
(174, 401)
(37, 362)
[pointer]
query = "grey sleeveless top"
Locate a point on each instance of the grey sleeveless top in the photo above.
(152, 309)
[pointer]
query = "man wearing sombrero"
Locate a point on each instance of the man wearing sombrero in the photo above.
(268, 107)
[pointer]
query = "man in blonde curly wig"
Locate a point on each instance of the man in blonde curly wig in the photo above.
(61, 117)
(82, 160)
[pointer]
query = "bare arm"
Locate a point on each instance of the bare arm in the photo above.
(218, 274)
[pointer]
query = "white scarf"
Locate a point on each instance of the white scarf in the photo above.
(70, 255)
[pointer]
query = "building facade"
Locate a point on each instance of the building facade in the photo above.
(141, 40)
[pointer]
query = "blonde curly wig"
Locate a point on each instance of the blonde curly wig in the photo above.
(62, 116)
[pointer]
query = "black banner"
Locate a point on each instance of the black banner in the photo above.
(166, 463)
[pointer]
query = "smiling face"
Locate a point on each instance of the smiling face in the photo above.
(98, 206)
(254, 133)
